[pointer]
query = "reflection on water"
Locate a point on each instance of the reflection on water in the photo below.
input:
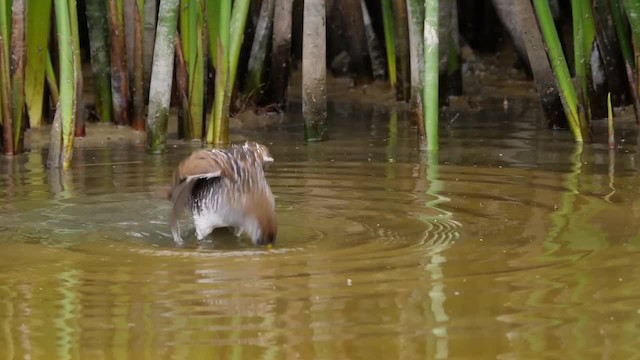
(509, 242)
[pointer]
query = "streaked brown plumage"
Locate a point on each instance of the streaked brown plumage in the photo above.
(225, 188)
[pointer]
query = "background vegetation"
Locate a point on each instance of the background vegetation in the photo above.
(213, 58)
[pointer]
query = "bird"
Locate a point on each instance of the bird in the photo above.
(225, 188)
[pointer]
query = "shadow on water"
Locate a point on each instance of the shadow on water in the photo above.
(508, 242)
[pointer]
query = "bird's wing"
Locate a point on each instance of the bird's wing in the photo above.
(203, 164)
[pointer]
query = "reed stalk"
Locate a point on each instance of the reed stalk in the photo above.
(60, 150)
(583, 37)
(185, 27)
(361, 69)
(150, 12)
(431, 73)
(119, 69)
(314, 73)
(138, 67)
(611, 138)
(632, 7)
(230, 33)
(213, 27)
(216, 127)
(609, 51)
(376, 55)
(560, 68)
(627, 53)
(52, 83)
(195, 68)
(5, 80)
(17, 64)
(281, 51)
(403, 87)
(162, 76)
(258, 54)
(182, 86)
(415, 10)
(389, 41)
(236, 36)
(78, 101)
(37, 34)
(99, 48)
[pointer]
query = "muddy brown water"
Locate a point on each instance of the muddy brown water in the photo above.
(511, 243)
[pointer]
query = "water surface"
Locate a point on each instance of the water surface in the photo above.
(509, 243)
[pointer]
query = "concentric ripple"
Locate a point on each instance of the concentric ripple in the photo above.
(505, 241)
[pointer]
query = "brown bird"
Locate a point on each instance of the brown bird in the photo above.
(225, 188)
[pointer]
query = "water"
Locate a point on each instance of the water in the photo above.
(511, 243)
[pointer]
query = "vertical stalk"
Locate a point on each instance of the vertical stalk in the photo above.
(213, 26)
(583, 36)
(357, 40)
(182, 84)
(150, 12)
(373, 44)
(627, 53)
(231, 31)
(281, 51)
(560, 68)
(403, 88)
(78, 101)
(50, 75)
(236, 36)
(18, 57)
(215, 127)
(5, 81)
(415, 10)
(431, 73)
(138, 66)
(258, 54)
(632, 8)
(314, 73)
(67, 85)
(162, 76)
(37, 32)
(196, 68)
(99, 48)
(119, 70)
(389, 40)
(612, 139)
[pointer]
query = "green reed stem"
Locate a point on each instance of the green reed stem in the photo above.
(430, 89)
(559, 66)
(215, 130)
(52, 83)
(38, 27)
(67, 83)
(5, 80)
(389, 40)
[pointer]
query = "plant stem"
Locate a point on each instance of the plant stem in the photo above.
(119, 70)
(389, 40)
(314, 73)
(431, 73)
(67, 85)
(138, 67)
(98, 43)
(5, 82)
(560, 68)
(17, 62)
(38, 26)
(215, 129)
(162, 76)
